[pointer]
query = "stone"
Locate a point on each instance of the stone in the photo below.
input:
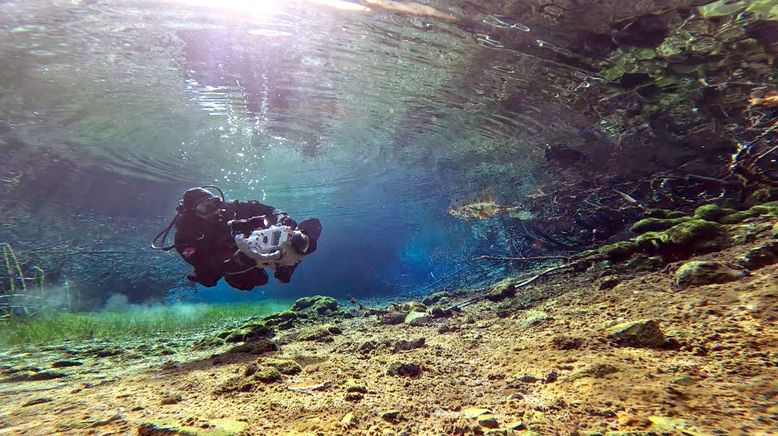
(607, 282)
(246, 333)
(642, 333)
(597, 370)
(517, 380)
(319, 304)
(474, 412)
(171, 399)
(391, 415)
(775, 230)
(404, 345)
(320, 333)
(759, 257)
(435, 298)
(353, 396)
(487, 420)
(214, 427)
(392, 318)
(417, 318)
(501, 291)
(566, 343)
(618, 251)
(267, 375)
(284, 366)
(354, 386)
(35, 401)
(675, 426)
(412, 306)
(705, 273)
(255, 347)
(349, 420)
(683, 380)
(66, 363)
(440, 312)
(404, 369)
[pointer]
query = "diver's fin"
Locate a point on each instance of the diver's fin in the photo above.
(311, 227)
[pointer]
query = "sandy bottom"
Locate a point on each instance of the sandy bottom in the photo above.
(540, 363)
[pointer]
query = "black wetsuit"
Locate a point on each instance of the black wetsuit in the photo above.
(206, 242)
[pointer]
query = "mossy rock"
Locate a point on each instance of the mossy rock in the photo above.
(695, 236)
(618, 251)
(501, 290)
(255, 347)
(246, 333)
(267, 375)
(764, 195)
(775, 230)
(770, 208)
(663, 213)
(320, 333)
(705, 273)
(413, 306)
(216, 427)
(712, 212)
(656, 224)
(435, 297)
(319, 304)
(642, 333)
(597, 370)
(284, 366)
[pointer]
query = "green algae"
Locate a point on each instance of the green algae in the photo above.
(712, 212)
(663, 213)
(618, 251)
(656, 224)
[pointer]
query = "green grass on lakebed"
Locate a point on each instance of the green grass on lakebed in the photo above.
(132, 322)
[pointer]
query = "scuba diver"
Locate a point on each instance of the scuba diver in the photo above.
(237, 240)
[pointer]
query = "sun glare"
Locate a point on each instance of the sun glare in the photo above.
(269, 7)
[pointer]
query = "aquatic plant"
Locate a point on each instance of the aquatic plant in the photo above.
(135, 321)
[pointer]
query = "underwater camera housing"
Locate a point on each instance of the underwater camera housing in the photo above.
(275, 246)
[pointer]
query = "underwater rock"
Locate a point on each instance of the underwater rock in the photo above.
(31, 375)
(764, 195)
(566, 343)
(391, 415)
(656, 224)
(435, 298)
(441, 312)
(663, 213)
(642, 333)
(255, 347)
(533, 317)
(320, 304)
(487, 420)
(284, 366)
(349, 421)
(417, 318)
(607, 282)
(246, 333)
(354, 386)
(695, 235)
(35, 401)
(168, 399)
(404, 369)
(403, 345)
(596, 370)
(712, 212)
(66, 363)
(753, 212)
(392, 318)
(474, 412)
(320, 333)
(501, 291)
(721, 8)
(215, 427)
(775, 230)
(353, 396)
(280, 320)
(267, 375)
(618, 251)
(758, 257)
(412, 306)
(517, 380)
(705, 273)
